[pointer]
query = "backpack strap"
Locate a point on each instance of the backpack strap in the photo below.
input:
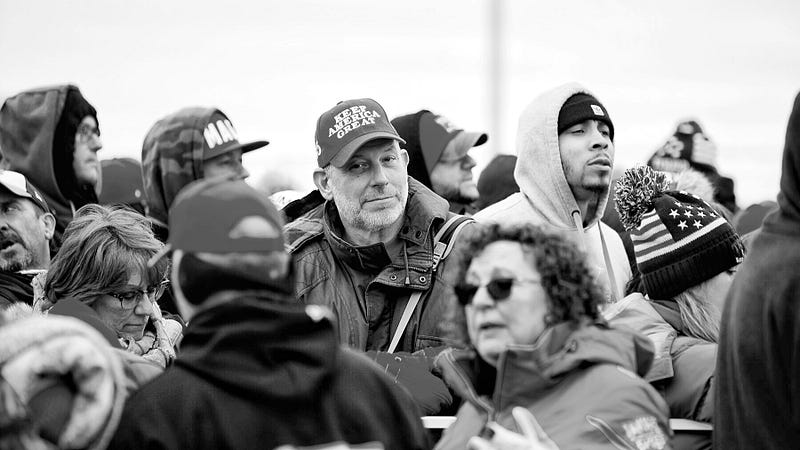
(442, 245)
(445, 238)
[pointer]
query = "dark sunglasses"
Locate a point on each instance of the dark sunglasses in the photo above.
(498, 289)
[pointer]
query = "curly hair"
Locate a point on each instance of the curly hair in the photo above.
(572, 293)
(102, 246)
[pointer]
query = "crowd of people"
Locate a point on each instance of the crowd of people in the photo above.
(551, 303)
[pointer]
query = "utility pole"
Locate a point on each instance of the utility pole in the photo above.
(496, 60)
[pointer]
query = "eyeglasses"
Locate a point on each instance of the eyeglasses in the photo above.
(498, 289)
(458, 161)
(128, 300)
(86, 132)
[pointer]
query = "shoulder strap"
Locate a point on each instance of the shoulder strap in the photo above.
(442, 245)
(445, 238)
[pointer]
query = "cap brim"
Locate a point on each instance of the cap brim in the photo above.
(464, 141)
(167, 250)
(347, 151)
(248, 147)
(14, 190)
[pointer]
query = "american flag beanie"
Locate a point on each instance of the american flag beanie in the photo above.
(679, 240)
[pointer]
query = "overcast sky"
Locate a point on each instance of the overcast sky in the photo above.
(273, 67)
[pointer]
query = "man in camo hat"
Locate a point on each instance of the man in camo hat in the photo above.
(188, 145)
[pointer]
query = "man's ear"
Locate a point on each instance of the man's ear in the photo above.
(49, 222)
(323, 183)
(404, 156)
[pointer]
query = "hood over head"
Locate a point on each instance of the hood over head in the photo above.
(172, 157)
(786, 219)
(174, 150)
(291, 349)
(37, 136)
(539, 172)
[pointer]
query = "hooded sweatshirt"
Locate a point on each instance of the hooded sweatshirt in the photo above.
(581, 382)
(172, 157)
(758, 362)
(545, 197)
(37, 138)
(256, 372)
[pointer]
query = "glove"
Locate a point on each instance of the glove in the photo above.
(414, 374)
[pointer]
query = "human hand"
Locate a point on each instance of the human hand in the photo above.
(533, 436)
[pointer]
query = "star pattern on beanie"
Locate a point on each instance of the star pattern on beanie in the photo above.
(679, 240)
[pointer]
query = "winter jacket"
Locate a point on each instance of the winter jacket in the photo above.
(545, 197)
(366, 288)
(581, 383)
(683, 366)
(15, 287)
(758, 394)
(260, 373)
(66, 381)
(37, 138)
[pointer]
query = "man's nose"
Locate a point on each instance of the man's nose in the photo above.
(599, 140)
(379, 177)
(243, 172)
(468, 162)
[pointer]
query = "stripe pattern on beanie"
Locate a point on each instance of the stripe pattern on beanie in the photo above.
(682, 242)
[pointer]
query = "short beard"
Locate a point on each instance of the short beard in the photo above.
(350, 212)
(16, 264)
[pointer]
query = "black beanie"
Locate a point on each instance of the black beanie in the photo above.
(75, 109)
(582, 107)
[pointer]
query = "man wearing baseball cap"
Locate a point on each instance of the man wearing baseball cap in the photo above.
(272, 369)
(367, 252)
(190, 144)
(439, 153)
(27, 225)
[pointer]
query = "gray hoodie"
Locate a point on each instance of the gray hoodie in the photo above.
(545, 197)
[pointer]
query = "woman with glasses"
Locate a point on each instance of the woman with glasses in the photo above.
(101, 275)
(531, 310)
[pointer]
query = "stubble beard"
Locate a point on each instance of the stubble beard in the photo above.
(18, 262)
(350, 212)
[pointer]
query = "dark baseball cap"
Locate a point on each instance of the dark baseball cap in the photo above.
(347, 126)
(222, 216)
(436, 132)
(17, 184)
(221, 137)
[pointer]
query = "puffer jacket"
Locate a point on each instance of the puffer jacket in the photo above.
(683, 368)
(59, 374)
(581, 383)
(325, 265)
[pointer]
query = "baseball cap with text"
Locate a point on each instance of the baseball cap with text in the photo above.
(220, 137)
(347, 126)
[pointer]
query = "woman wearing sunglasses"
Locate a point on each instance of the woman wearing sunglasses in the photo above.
(101, 276)
(531, 310)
